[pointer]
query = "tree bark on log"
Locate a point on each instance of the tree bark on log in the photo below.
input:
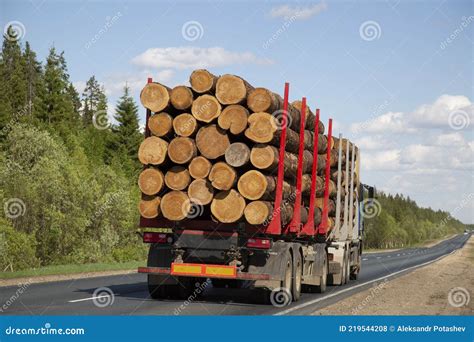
(150, 181)
(160, 124)
(233, 118)
(152, 151)
(309, 118)
(175, 205)
(261, 212)
(177, 178)
(182, 149)
(155, 97)
(319, 203)
(199, 167)
(231, 89)
(228, 206)
(254, 185)
(212, 141)
(149, 207)
(222, 176)
(202, 81)
(263, 100)
(206, 108)
(200, 191)
(237, 154)
(266, 157)
(181, 97)
(185, 125)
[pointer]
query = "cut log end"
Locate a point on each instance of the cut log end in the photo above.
(181, 97)
(149, 207)
(155, 97)
(181, 150)
(152, 151)
(258, 212)
(206, 108)
(237, 154)
(262, 100)
(160, 124)
(175, 205)
(222, 176)
(230, 89)
(150, 181)
(252, 185)
(262, 127)
(234, 118)
(228, 206)
(264, 156)
(212, 141)
(200, 191)
(202, 81)
(177, 178)
(199, 167)
(185, 125)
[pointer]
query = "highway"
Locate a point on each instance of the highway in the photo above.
(130, 294)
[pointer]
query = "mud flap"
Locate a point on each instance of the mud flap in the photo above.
(160, 256)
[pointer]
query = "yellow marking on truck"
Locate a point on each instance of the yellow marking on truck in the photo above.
(186, 269)
(220, 271)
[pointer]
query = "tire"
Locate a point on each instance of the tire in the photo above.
(155, 291)
(355, 273)
(288, 276)
(296, 276)
(344, 269)
(348, 267)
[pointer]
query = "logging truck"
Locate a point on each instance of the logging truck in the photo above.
(287, 215)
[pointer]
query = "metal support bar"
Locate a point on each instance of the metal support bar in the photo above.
(346, 198)
(351, 196)
(338, 196)
(323, 227)
(274, 227)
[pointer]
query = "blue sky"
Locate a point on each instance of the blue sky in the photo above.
(390, 73)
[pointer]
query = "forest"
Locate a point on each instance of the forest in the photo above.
(69, 176)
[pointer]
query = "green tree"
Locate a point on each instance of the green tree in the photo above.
(94, 100)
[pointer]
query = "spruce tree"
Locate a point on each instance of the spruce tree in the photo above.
(94, 100)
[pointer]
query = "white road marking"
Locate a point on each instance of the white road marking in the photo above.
(379, 257)
(389, 256)
(91, 298)
(314, 301)
(365, 259)
(398, 254)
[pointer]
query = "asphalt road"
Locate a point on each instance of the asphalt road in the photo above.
(130, 294)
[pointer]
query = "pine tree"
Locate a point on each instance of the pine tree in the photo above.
(32, 72)
(94, 100)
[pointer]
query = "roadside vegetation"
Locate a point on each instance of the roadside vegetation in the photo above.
(68, 176)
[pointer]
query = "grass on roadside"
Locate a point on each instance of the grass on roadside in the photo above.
(70, 269)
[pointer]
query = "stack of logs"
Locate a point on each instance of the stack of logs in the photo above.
(213, 152)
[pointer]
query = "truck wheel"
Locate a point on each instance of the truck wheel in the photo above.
(356, 271)
(348, 267)
(344, 269)
(324, 277)
(297, 271)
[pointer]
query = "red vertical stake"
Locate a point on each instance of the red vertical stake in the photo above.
(148, 114)
(323, 227)
(308, 228)
(295, 224)
(274, 226)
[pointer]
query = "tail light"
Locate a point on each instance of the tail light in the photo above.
(259, 243)
(151, 237)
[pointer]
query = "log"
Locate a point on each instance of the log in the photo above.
(263, 100)
(181, 150)
(233, 118)
(212, 141)
(254, 185)
(150, 181)
(199, 167)
(237, 154)
(319, 203)
(222, 176)
(309, 118)
(228, 206)
(177, 178)
(181, 97)
(261, 212)
(231, 89)
(175, 205)
(152, 151)
(185, 125)
(335, 157)
(155, 97)
(206, 108)
(149, 207)
(200, 191)
(202, 81)
(160, 124)
(266, 157)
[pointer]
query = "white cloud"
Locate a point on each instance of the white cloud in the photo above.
(388, 160)
(194, 57)
(298, 12)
